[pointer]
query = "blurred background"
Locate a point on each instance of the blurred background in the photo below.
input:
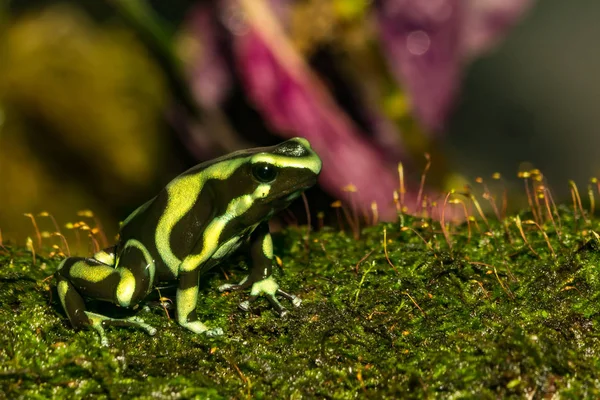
(103, 102)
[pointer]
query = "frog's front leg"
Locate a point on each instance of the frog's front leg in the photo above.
(97, 278)
(260, 280)
(187, 299)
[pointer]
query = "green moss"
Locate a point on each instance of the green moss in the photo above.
(486, 318)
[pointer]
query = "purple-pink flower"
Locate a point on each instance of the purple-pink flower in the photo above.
(427, 44)
(295, 103)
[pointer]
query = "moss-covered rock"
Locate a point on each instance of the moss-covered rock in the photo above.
(489, 317)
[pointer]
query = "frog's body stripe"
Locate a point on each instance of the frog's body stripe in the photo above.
(150, 265)
(125, 288)
(90, 273)
(212, 233)
(267, 246)
(187, 297)
(182, 196)
(129, 286)
(63, 287)
(288, 162)
(184, 303)
(106, 257)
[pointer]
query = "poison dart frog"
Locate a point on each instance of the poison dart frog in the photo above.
(198, 220)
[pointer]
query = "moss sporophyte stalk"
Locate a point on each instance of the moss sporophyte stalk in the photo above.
(460, 305)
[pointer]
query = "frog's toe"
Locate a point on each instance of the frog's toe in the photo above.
(296, 301)
(269, 288)
(277, 305)
(195, 326)
(229, 287)
(214, 332)
(282, 313)
(100, 330)
(199, 328)
(138, 322)
(98, 322)
(244, 305)
(265, 288)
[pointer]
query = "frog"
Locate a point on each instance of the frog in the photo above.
(196, 222)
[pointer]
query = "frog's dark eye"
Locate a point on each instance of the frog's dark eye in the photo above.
(264, 172)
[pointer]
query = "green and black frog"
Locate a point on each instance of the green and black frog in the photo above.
(198, 220)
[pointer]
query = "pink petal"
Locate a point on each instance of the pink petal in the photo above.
(487, 21)
(208, 71)
(428, 42)
(422, 42)
(295, 103)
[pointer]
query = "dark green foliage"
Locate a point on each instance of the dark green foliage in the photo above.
(487, 319)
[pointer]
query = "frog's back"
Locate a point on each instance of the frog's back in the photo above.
(172, 224)
(206, 212)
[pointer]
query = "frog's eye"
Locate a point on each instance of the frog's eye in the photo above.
(264, 172)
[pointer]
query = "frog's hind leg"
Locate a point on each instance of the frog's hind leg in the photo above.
(97, 278)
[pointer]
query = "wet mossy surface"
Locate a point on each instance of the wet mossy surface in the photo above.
(486, 318)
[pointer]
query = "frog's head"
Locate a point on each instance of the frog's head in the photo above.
(269, 178)
(281, 173)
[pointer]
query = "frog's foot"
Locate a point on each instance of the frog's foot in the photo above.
(267, 288)
(199, 328)
(98, 322)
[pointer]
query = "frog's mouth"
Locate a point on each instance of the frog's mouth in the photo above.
(289, 195)
(303, 185)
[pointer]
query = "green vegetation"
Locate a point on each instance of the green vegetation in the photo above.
(492, 316)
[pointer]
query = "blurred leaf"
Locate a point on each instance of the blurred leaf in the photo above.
(350, 9)
(83, 114)
(92, 88)
(208, 71)
(160, 40)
